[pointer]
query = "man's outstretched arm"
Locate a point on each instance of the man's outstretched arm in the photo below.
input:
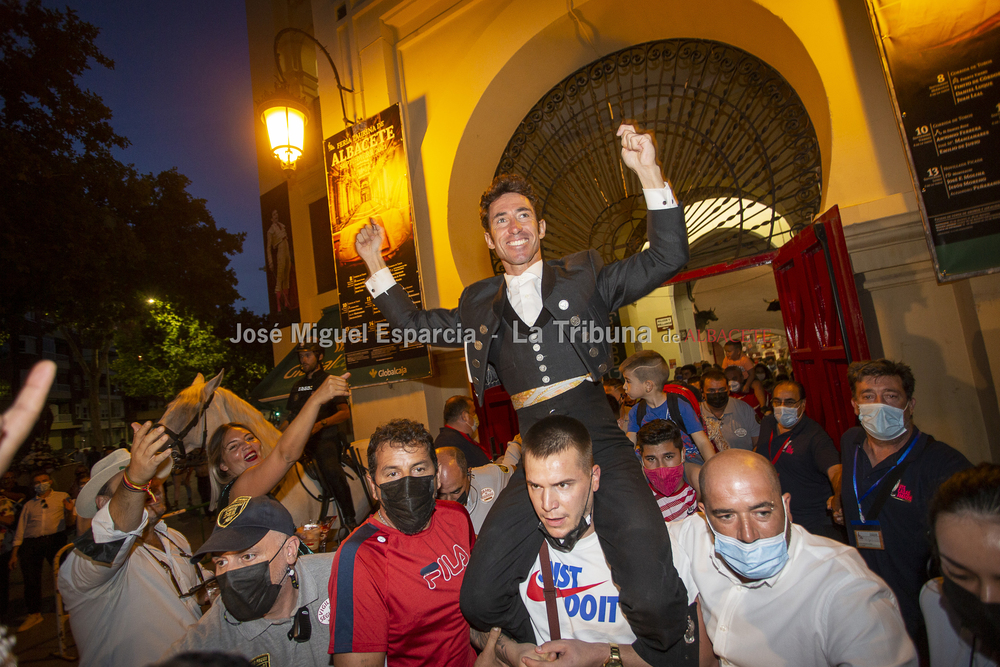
(391, 299)
(634, 277)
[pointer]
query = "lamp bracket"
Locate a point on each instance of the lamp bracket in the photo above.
(341, 88)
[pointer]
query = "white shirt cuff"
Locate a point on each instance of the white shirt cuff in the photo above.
(659, 198)
(380, 282)
(105, 530)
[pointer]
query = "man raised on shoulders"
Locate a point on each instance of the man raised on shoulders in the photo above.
(536, 299)
(772, 594)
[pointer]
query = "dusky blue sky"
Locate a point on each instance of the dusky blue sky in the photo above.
(180, 91)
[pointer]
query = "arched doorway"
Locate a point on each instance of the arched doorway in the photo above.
(743, 158)
(734, 139)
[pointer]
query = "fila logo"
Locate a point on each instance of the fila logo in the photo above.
(444, 567)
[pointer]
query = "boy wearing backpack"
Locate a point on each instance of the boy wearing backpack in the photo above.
(645, 374)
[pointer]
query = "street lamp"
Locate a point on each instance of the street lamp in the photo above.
(285, 118)
(285, 115)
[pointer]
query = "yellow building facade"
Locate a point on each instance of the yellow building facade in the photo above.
(466, 73)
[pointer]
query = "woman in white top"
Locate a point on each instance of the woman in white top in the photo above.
(962, 609)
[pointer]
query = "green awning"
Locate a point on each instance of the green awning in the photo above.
(276, 386)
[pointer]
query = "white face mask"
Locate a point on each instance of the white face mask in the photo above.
(734, 386)
(881, 421)
(787, 417)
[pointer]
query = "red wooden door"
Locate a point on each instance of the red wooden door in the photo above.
(819, 305)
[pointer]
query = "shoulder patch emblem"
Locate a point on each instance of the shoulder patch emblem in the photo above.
(503, 468)
(487, 494)
(233, 510)
(324, 612)
(263, 660)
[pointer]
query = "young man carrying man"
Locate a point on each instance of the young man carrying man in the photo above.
(576, 615)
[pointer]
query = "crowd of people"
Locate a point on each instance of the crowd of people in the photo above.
(699, 519)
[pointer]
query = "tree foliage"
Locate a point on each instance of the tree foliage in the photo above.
(160, 353)
(84, 239)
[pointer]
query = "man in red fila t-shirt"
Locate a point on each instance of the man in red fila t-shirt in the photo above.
(395, 581)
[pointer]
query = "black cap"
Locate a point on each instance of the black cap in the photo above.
(315, 348)
(244, 523)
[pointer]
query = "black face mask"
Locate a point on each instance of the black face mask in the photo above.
(717, 400)
(982, 618)
(566, 544)
(409, 502)
(248, 592)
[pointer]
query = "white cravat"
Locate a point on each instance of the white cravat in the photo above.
(525, 293)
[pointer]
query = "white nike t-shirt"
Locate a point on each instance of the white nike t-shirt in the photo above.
(587, 598)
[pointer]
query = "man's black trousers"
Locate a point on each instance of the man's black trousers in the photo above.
(327, 457)
(32, 555)
(629, 524)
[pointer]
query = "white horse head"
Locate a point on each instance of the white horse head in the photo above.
(205, 406)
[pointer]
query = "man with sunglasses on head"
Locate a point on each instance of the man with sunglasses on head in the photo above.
(808, 464)
(273, 608)
(126, 584)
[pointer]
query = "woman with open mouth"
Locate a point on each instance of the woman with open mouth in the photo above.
(237, 462)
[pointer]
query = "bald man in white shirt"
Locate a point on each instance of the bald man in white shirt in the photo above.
(773, 594)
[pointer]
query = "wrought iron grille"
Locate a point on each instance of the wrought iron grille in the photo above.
(733, 136)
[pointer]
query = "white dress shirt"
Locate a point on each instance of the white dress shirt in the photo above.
(41, 517)
(825, 607)
(129, 612)
(527, 301)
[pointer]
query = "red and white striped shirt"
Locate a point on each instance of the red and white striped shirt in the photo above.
(679, 505)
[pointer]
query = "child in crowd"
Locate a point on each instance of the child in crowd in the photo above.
(662, 456)
(645, 374)
(736, 357)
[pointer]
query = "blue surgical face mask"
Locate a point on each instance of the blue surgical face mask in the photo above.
(760, 559)
(787, 417)
(881, 421)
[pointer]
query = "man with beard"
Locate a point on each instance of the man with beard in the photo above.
(531, 329)
(273, 609)
(395, 581)
(129, 567)
(324, 443)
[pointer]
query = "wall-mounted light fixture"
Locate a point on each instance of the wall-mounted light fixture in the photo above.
(286, 115)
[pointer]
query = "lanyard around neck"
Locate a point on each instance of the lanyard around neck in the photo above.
(861, 514)
(782, 449)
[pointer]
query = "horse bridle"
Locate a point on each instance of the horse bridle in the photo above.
(177, 439)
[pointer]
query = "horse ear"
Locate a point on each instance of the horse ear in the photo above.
(211, 386)
(198, 379)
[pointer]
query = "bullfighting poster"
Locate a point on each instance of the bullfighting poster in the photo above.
(368, 179)
(942, 63)
(276, 221)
